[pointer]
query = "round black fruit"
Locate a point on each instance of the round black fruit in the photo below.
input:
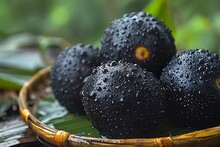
(70, 68)
(123, 101)
(139, 38)
(192, 84)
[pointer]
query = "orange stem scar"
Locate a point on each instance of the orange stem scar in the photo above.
(217, 81)
(141, 53)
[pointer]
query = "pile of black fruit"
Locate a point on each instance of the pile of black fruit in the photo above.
(136, 79)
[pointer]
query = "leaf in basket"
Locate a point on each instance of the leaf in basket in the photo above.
(168, 128)
(21, 59)
(51, 113)
(10, 80)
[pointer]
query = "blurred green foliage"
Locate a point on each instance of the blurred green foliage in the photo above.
(75, 20)
(197, 24)
(194, 24)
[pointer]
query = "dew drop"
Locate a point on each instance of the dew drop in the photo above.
(99, 88)
(105, 80)
(113, 63)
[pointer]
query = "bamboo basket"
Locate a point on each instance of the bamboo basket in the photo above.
(50, 136)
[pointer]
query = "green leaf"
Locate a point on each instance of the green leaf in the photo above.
(198, 37)
(23, 59)
(50, 112)
(17, 62)
(12, 81)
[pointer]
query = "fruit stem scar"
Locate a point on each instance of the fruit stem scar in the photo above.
(217, 81)
(141, 53)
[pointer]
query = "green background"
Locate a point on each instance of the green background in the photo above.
(29, 29)
(195, 24)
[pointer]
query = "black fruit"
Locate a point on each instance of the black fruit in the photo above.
(122, 100)
(139, 38)
(192, 84)
(70, 68)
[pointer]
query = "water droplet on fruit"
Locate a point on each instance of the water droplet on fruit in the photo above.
(105, 71)
(99, 88)
(137, 94)
(83, 53)
(92, 94)
(83, 61)
(113, 63)
(105, 80)
(128, 75)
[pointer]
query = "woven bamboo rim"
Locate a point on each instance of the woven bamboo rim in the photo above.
(207, 137)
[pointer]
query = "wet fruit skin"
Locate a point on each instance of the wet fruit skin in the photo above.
(122, 100)
(191, 82)
(139, 38)
(70, 68)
